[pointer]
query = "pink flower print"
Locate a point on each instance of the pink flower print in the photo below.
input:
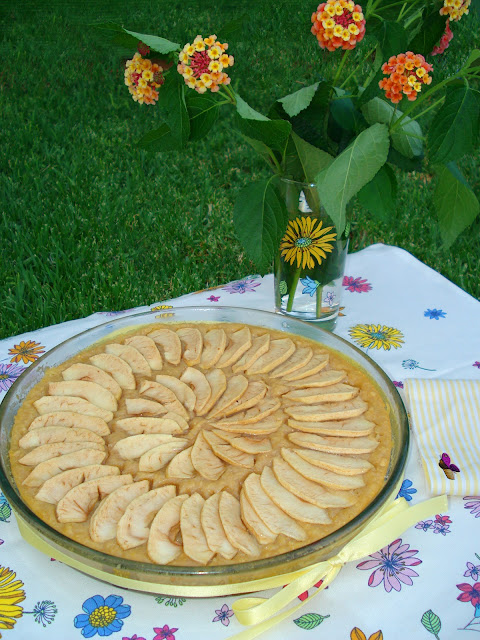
(8, 374)
(398, 384)
(223, 615)
(165, 633)
(214, 298)
(134, 637)
(473, 505)
(476, 364)
(241, 286)
(392, 566)
(356, 284)
(469, 593)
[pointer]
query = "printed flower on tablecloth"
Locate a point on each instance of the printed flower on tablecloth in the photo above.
(172, 601)
(159, 307)
(476, 364)
(11, 594)
(214, 298)
(473, 505)
(441, 525)
(392, 566)
(375, 336)
(134, 637)
(434, 314)
(398, 384)
(357, 634)
(223, 615)
(165, 633)
(241, 286)
(5, 509)
(26, 351)
(8, 374)
(473, 571)
(306, 242)
(102, 616)
(413, 364)
(424, 525)
(470, 593)
(356, 284)
(44, 612)
(406, 490)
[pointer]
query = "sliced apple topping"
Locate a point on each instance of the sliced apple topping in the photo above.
(214, 343)
(116, 367)
(147, 347)
(132, 357)
(192, 343)
(90, 373)
(170, 343)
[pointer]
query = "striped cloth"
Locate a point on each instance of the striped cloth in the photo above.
(445, 416)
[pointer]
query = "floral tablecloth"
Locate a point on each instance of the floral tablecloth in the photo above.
(426, 584)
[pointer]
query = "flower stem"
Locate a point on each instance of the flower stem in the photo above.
(293, 288)
(319, 301)
(340, 66)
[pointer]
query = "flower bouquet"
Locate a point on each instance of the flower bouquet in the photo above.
(341, 140)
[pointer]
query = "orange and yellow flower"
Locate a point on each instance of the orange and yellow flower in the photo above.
(306, 242)
(11, 594)
(407, 73)
(26, 351)
(143, 77)
(338, 23)
(455, 9)
(203, 63)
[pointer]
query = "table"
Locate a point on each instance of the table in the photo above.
(414, 323)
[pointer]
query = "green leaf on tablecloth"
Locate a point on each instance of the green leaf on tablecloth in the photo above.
(380, 194)
(407, 138)
(456, 204)
(454, 131)
(431, 622)
(351, 170)
(5, 511)
(309, 621)
(299, 100)
(260, 218)
(203, 113)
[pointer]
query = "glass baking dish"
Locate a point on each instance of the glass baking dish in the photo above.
(146, 576)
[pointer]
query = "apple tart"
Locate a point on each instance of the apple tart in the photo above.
(201, 443)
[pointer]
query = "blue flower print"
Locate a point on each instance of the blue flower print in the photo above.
(102, 616)
(310, 286)
(434, 314)
(406, 490)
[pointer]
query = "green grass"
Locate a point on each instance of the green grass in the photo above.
(91, 223)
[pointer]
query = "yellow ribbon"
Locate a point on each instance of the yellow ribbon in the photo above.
(262, 614)
(392, 521)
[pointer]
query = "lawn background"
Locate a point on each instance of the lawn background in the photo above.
(89, 222)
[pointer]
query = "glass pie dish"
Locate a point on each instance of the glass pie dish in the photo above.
(198, 580)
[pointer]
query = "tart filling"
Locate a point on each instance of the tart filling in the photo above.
(201, 444)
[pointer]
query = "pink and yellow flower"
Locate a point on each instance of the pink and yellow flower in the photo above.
(338, 23)
(444, 40)
(407, 73)
(143, 77)
(455, 9)
(203, 64)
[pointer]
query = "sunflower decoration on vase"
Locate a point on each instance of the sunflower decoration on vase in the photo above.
(377, 109)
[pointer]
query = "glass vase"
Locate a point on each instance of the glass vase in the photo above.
(310, 262)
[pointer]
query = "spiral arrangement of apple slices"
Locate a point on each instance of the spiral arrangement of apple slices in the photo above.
(271, 408)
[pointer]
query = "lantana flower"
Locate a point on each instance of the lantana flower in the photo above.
(444, 40)
(455, 9)
(407, 73)
(143, 77)
(203, 64)
(338, 23)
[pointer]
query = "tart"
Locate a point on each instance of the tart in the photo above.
(201, 444)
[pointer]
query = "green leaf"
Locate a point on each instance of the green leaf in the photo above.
(260, 218)
(310, 124)
(407, 164)
(298, 101)
(407, 139)
(159, 140)
(472, 59)
(456, 204)
(203, 113)
(154, 42)
(351, 170)
(431, 622)
(312, 159)
(379, 195)
(172, 107)
(273, 133)
(454, 130)
(345, 114)
(244, 110)
(5, 511)
(431, 30)
(309, 621)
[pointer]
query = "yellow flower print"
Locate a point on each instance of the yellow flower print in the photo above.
(357, 634)
(11, 593)
(161, 306)
(306, 241)
(375, 336)
(27, 351)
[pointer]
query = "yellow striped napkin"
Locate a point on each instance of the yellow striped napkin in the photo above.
(446, 420)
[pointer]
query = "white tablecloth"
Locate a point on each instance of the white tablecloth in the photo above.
(414, 323)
